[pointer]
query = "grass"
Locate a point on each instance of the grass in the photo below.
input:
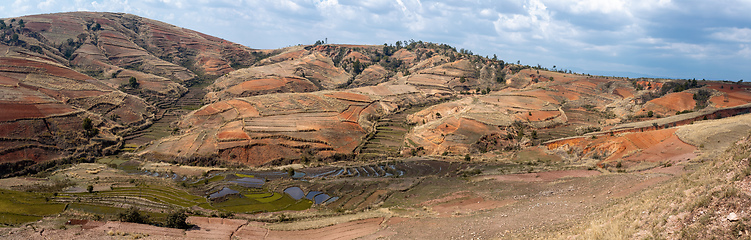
(208, 180)
(96, 209)
(111, 160)
(272, 198)
(706, 194)
(191, 107)
(152, 195)
(243, 175)
(20, 207)
(277, 202)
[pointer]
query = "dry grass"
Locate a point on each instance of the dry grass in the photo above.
(692, 206)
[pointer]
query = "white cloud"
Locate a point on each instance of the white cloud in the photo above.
(46, 5)
(732, 34)
(745, 51)
(665, 35)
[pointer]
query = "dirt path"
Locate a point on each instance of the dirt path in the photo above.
(539, 177)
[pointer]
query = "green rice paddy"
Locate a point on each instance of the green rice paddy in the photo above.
(20, 207)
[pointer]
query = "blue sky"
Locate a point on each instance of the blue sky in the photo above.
(657, 38)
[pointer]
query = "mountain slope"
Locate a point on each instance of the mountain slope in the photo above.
(326, 101)
(120, 71)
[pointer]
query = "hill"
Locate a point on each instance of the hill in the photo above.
(108, 113)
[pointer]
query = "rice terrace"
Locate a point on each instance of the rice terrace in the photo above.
(116, 126)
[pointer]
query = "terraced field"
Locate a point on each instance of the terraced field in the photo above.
(388, 138)
(144, 197)
(20, 207)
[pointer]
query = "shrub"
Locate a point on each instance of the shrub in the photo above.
(88, 128)
(132, 215)
(177, 219)
(133, 82)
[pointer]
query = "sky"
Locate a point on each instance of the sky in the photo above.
(632, 38)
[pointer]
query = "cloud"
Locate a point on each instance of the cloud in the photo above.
(732, 34)
(656, 37)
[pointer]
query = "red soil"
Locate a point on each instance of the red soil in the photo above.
(126, 227)
(20, 111)
(469, 205)
(348, 230)
(8, 81)
(357, 56)
(213, 108)
(232, 135)
(349, 96)
(739, 95)
(543, 95)
(537, 115)
(671, 149)
(212, 228)
(540, 177)
(624, 92)
(517, 102)
(245, 109)
(81, 94)
(28, 66)
(352, 114)
(269, 84)
(671, 103)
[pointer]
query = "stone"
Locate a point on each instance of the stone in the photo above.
(733, 217)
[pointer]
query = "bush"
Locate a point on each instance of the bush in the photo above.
(177, 220)
(88, 128)
(133, 82)
(132, 215)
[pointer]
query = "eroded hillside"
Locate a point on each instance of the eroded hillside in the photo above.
(412, 140)
(120, 71)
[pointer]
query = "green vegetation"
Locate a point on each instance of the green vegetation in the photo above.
(177, 219)
(21, 207)
(147, 195)
(132, 215)
(702, 97)
(133, 83)
(88, 127)
(247, 203)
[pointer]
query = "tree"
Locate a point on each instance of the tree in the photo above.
(133, 82)
(467, 157)
(88, 128)
(132, 215)
(462, 80)
(2, 24)
(356, 67)
(21, 24)
(87, 124)
(177, 219)
(90, 188)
